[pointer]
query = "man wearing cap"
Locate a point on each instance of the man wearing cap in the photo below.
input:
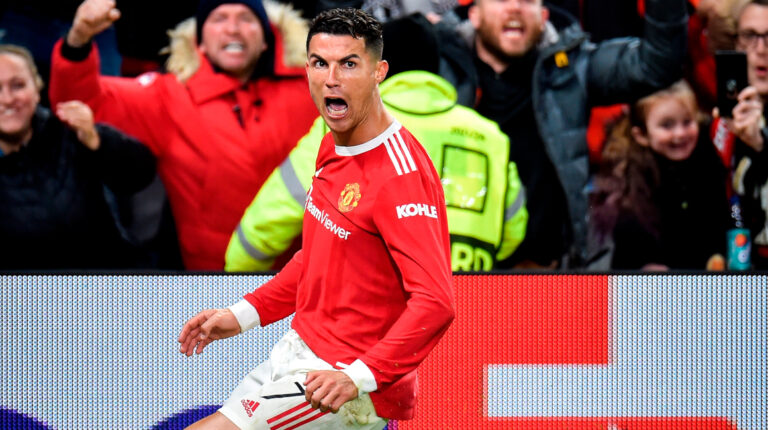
(217, 131)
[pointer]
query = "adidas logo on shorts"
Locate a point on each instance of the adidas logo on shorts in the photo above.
(249, 406)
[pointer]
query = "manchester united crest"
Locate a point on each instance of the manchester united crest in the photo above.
(349, 197)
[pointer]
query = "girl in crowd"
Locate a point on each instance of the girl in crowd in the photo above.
(661, 191)
(57, 174)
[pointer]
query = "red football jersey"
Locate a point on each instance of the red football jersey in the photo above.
(373, 278)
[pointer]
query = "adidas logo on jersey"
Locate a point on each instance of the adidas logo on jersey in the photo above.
(416, 209)
(249, 406)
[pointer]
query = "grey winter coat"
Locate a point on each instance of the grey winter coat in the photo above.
(614, 71)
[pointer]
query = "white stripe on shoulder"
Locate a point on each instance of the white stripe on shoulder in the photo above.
(393, 158)
(406, 151)
(348, 151)
(396, 147)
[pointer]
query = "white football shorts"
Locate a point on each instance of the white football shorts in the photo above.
(271, 397)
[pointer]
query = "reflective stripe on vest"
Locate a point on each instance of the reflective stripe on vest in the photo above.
(250, 249)
(512, 210)
(292, 183)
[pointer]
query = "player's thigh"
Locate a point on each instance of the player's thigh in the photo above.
(216, 420)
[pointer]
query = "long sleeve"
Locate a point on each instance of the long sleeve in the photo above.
(412, 223)
(126, 165)
(132, 105)
(626, 69)
(276, 299)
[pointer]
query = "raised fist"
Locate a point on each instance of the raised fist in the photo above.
(92, 17)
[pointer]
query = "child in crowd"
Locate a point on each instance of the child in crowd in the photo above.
(661, 192)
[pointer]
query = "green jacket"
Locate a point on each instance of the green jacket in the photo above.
(484, 197)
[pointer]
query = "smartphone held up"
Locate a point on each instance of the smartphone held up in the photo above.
(731, 68)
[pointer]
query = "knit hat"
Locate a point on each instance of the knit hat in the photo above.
(410, 43)
(205, 7)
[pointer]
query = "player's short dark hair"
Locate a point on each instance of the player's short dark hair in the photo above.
(349, 22)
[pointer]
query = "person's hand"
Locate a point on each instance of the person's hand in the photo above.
(92, 17)
(748, 119)
(329, 389)
(205, 327)
(79, 117)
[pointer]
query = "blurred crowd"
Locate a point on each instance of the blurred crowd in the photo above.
(588, 135)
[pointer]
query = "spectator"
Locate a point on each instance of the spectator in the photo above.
(218, 127)
(662, 188)
(748, 157)
(485, 200)
(538, 83)
(710, 29)
(53, 174)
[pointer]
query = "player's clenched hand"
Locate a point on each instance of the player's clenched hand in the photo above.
(329, 389)
(205, 327)
(92, 17)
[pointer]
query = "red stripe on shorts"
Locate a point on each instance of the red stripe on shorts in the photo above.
(288, 412)
(293, 419)
(310, 419)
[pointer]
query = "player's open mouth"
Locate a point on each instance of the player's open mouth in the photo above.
(336, 107)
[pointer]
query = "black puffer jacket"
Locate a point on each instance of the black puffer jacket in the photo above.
(614, 71)
(53, 206)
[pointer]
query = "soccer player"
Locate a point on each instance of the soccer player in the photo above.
(371, 287)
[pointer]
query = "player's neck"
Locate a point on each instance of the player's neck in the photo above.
(372, 125)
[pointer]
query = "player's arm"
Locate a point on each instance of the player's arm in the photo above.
(271, 302)
(205, 327)
(420, 247)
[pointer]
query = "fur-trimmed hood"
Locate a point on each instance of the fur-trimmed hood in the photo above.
(290, 43)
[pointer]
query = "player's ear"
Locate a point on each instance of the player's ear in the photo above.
(382, 67)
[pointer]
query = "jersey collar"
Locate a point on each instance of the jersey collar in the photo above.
(349, 151)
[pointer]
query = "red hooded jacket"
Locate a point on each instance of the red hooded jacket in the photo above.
(216, 140)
